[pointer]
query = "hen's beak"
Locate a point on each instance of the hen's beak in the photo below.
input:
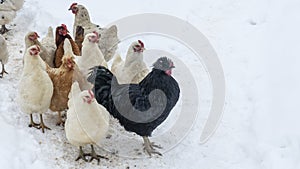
(70, 9)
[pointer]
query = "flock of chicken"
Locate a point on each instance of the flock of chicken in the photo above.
(62, 74)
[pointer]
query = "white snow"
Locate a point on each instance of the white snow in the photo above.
(258, 45)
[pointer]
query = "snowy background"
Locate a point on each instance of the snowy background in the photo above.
(258, 45)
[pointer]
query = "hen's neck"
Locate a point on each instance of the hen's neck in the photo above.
(33, 63)
(60, 39)
(133, 57)
(82, 17)
(29, 43)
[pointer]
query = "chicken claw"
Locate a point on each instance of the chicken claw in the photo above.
(42, 125)
(149, 147)
(81, 155)
(3, 30)
(3, 71)
(95, 156)
(33, 124)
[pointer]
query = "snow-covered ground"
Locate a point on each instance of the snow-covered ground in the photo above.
(258, 45)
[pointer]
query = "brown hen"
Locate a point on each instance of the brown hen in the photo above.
(60, 35)
(62, 79)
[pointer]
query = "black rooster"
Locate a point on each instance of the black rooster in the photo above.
(140, 108)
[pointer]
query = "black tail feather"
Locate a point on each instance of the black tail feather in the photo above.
(101, 77)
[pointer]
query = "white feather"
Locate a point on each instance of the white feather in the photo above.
(35, 86)
(86, 123)
(108, 42)
(133, 70)
(91, 56)
(11, 5)
(6, 17)
(49, 43)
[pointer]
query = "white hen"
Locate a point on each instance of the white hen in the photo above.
(3, 54)
(108, 43)
(134, 69)
(87, 121)
(46, 53)
(48, 43)
(35, 87)
(8, 9)
(77, 75)
(91, 54)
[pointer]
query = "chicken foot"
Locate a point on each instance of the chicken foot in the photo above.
(149, 147)
(3, 71)
(3, 30)
(32, 123)
(42, 125)
(95, 156)
(81, 155)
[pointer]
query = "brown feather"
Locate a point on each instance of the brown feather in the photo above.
(62, 79)
(79, 36)
(59, 53)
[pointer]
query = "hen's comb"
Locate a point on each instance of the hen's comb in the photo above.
(64, 26)
(38, 48)
(97, 34)
(73, 4)
(36, 34)
(142, 44)
(91, 93)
